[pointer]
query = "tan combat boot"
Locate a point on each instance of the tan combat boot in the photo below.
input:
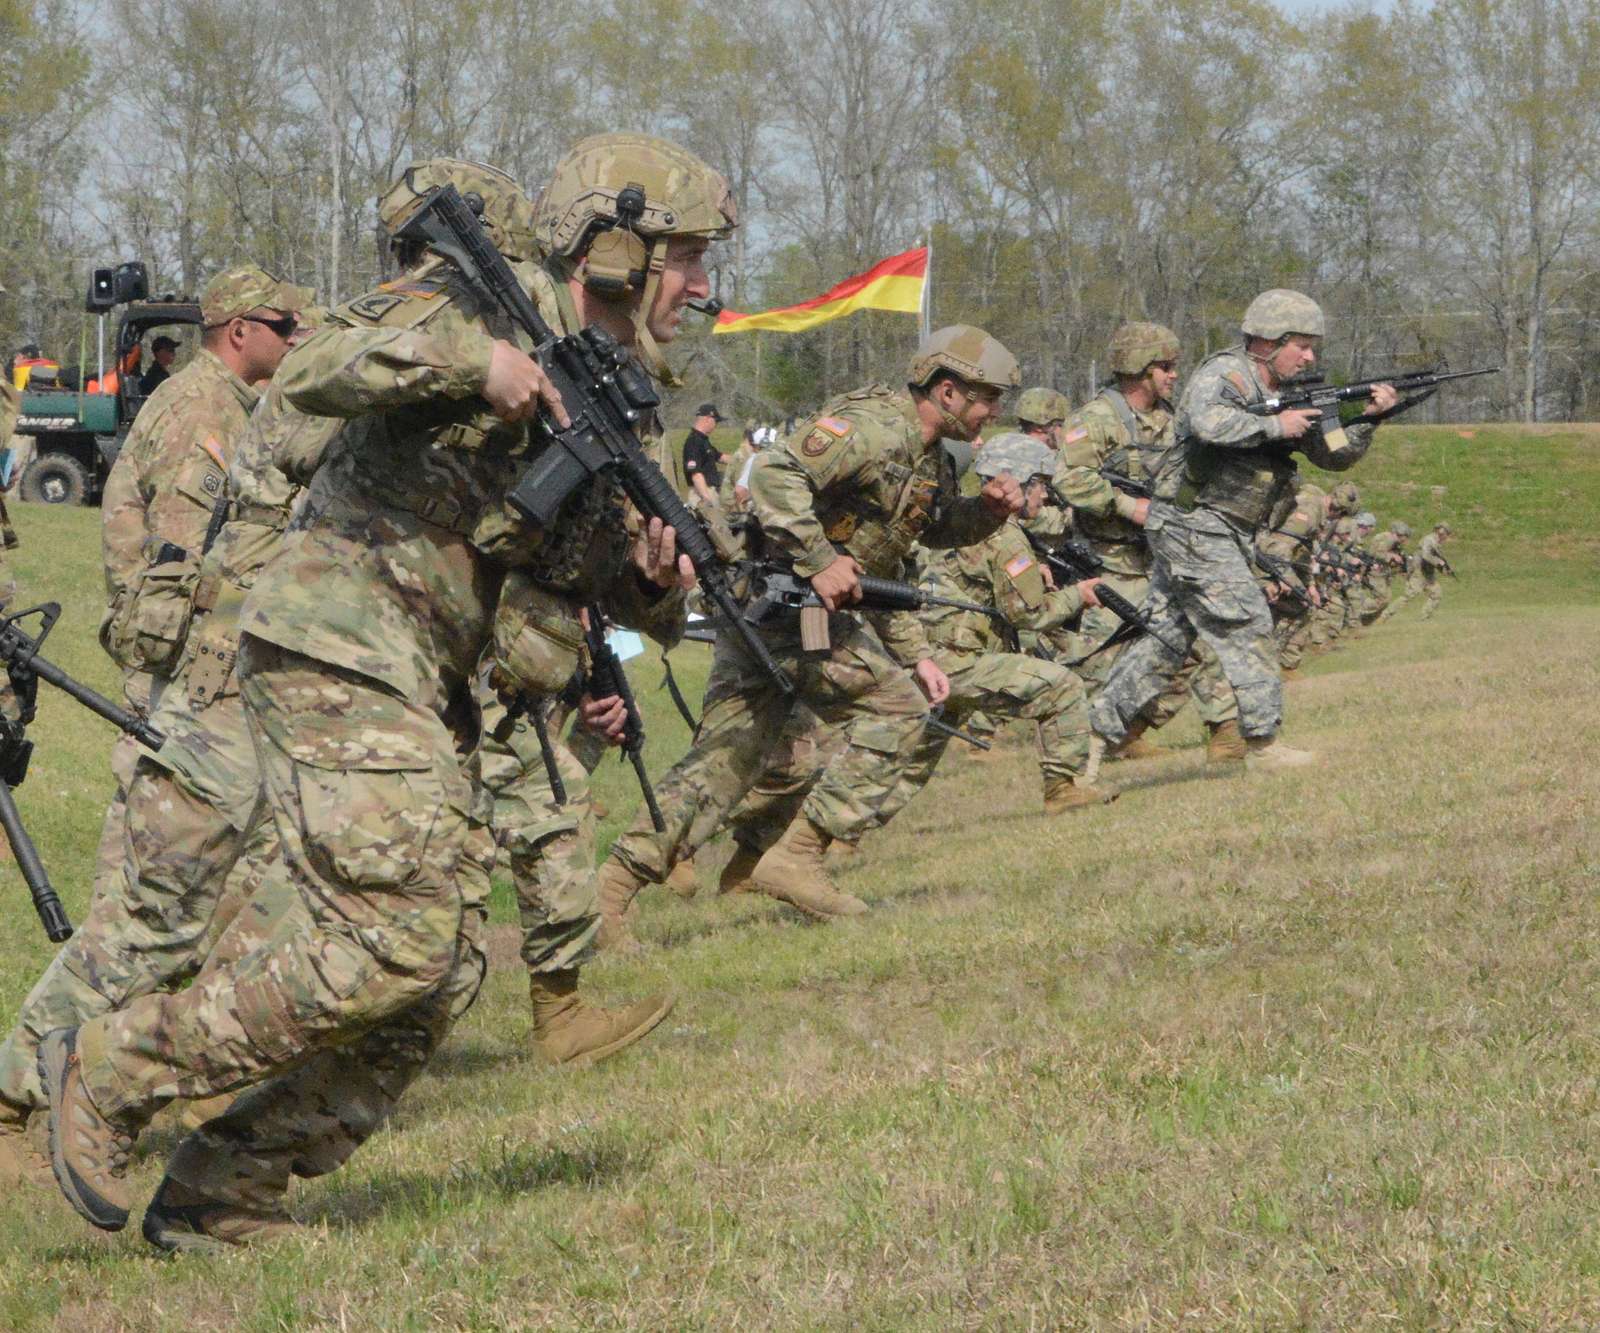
(735, 877)
(568, 1031)
(1136, 747)
(1063, 794)
(791, 872)
(1224, 743)
(618, 887)
(88, 1151)
(21, 1162)
(180, 1219)
(683, 881)
(1269, 755)
(841, 852)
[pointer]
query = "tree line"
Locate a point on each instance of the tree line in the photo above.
(1430, 174)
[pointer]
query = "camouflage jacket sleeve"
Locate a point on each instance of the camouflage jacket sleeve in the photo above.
(903, 634)
(183, 474)
(1017, 583)
(1428, 552)
(350, 370)
(1078, 481)
(1213, 408)
(783, 491)
(1358, 439)
(10, 409)
(122, 527)
(659, 612)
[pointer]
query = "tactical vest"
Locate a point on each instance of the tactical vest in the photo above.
(1242, 484)
(879, 521)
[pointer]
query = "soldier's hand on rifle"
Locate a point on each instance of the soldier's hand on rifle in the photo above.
(935, 684)
(606, 718)
(1002, 496)
(839, 584)
(1273, 589)
(517, 387)
(1383, 398)
(1298, 421)
(1086, 590)
(1141, 511)
(655, 556)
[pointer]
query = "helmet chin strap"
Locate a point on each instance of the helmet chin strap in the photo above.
(954, 425)
(644, 342)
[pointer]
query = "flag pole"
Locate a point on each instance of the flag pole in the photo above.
(927, 295)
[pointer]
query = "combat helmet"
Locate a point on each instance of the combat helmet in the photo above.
(1366, 519)
(1345, 497)
(1279, 312)
(1443, 529)
(1041, 406)
(506, 211)
(968, 353)
(1021, 455)
(1133, 347)
(1400, 529)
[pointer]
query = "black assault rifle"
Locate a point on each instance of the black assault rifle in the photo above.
(20, 653)
(606, 393)
(1318, 396)
(1073, 561)
(1280, 573)
(773, 588)
(607, 678)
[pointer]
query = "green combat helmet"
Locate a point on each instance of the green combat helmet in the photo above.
(611, 205)
(1345, 497)
(1401, 530)
(1279, 312)
(1042, 407)
(968, 353)
(1020, 455)
(505, 210)
(1134, 347)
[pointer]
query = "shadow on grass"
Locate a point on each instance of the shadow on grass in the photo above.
(501, 1171)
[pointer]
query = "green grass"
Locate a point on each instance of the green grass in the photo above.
(1315, 1051)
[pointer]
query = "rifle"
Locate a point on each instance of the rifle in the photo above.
(774, 588)
(1280, 573)
(1140, 490)
(26, 668)
(1075, 561)
(935, 721)
(1323, 398)
(607, 395)
(607, 678)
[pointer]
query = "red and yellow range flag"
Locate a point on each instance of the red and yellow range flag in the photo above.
(895, 283)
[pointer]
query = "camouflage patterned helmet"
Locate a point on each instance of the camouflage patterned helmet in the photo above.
(1135, 346)
(968, 353)
(1345, 497)
(1279, 312)
(1400, 530)
(1366, 519)
(1443, 529)
(1021, 455)
(507, 211)
(1039, 407)
(676, 194)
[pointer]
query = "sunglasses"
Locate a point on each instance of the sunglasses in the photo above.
(283, 326)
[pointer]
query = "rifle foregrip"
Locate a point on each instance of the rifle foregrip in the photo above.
(1117, 604)
(889, 594)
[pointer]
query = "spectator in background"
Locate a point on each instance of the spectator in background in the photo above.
(163, 352)
(700, 459)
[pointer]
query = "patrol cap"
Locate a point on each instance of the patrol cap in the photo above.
(163, 343)
(1135, 346)
(1020, 455)
(1041, 406)
(969, 354)
(1278, 312)
(501, 204)
(239, 290)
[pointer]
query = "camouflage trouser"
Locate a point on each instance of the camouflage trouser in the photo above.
(177, 881)
(1401, 591)
(1327, 621)
(1201, 586)
(1292, 628)
(108, 851)
(857, 686)
(805, 747)
(551, 847)
(1431, 590)
(1096, 625)
(375, 951)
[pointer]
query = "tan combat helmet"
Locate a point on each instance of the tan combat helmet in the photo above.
(1136, 346)
(1042, 407)
(1279, 312)
(1022, 456)
(609, 208)
(1443, 529)
(506, 211)
(1345, 497)
(968, 353)
(1401, 529)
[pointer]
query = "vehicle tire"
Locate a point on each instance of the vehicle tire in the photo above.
(55, 479)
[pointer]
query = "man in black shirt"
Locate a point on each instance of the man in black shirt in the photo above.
(700, 458)
(163, 352)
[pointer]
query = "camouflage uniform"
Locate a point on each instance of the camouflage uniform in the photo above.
(157, 505)
(1431, 563)
(10, 409)
(1286, 544)
(1106, 434)
(1390, 546)
(1220, 483)
(857, 477)
(190, 806)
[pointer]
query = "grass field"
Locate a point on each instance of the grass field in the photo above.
(1313, 1051)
